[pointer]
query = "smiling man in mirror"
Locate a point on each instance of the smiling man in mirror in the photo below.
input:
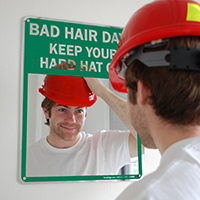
(67, 150)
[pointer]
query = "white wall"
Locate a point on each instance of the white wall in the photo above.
(106, 12)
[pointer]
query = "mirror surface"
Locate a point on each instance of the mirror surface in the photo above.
(99, 117)
(59, 47)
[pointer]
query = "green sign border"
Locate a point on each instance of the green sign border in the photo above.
(24, 107)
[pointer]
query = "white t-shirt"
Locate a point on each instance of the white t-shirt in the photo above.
(103, 153)
(177, 177)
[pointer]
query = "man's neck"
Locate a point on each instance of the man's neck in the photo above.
(60, 143)
(165, 134)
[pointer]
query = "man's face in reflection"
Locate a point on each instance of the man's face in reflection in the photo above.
(65, 123)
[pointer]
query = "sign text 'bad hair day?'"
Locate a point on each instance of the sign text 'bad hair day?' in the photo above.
(93, 49)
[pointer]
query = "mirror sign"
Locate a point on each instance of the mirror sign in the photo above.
(66, 48)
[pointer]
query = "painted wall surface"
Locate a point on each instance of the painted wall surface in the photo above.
(12, 12)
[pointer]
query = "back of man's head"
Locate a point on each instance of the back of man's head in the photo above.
(175, 93)
(160, 45)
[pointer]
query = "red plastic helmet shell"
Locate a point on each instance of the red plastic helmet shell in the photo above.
(157, 20)
(68, 91)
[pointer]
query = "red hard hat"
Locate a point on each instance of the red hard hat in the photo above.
(157, 20)
(68, 91)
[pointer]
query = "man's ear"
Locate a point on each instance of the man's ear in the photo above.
(86, 111)
(45, 113)
(143, 93)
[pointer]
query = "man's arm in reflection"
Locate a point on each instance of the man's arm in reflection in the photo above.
(118, 105)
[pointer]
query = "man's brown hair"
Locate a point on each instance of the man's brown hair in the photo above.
(48, 104)
(175, 93)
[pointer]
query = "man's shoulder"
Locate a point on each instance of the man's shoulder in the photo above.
(91, 135)
(97, 134)
(105, 136)
(37, 144)
(85, 135)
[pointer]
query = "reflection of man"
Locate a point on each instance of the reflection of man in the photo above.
(67, 150)
(160, 62)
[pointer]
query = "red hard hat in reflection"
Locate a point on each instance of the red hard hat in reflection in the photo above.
(157, 20)
(68, 91)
